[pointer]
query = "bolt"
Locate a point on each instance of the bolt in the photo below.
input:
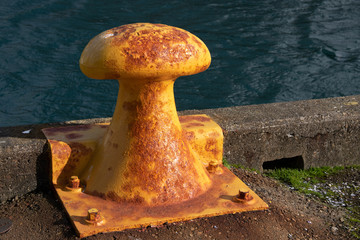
(213, 166)
(94, 217)
(243, 196)
(74, 182)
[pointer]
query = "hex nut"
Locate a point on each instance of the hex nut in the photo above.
(94, 217)
(74, 184)
(213, 166)
(242, 197)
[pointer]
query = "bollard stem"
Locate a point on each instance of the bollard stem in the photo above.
(145, 154)
(138, 101)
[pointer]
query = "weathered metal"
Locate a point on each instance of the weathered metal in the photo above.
(94, 217)
(243, 196)
(148, 166)
(144, 154)
(74, 184)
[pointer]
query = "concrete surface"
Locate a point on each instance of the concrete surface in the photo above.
(312, 133)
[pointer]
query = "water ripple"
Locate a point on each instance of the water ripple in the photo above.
(262, 51)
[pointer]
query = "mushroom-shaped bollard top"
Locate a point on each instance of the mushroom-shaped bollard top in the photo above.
(146, 51)
(144, 157)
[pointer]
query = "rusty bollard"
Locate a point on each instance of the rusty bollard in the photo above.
(144, 155)
(148, 166)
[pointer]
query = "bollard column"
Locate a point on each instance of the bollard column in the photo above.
(144, 157)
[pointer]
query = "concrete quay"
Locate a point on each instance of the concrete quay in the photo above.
(301, 134)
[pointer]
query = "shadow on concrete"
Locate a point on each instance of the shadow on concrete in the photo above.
(25, 158)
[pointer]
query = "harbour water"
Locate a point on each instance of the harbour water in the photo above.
(262, 52)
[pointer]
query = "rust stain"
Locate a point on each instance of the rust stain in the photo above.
(202, 68)
(219, 196)
(194, 125)
(161, 160)
(78, 152)
(60, 150)
(191, 118)
(189, 135)
(73, 136)
(74, 204)
(214, 135)
(154, 45)
(197, 41)
(211, 146)
(60, 154)
(113, 196)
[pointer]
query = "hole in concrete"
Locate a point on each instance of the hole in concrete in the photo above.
(294, 162)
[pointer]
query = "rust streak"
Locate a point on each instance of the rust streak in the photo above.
(154, 45)
(185, 119)
(194, 125)
(73, 135)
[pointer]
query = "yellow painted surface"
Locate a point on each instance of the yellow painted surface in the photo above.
(120, 216)
(144, 51)
(205, 137)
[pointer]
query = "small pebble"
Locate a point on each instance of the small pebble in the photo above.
(334, 229)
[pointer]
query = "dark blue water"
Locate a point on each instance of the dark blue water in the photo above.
(263, 51)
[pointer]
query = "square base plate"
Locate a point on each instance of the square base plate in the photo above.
(71, 148)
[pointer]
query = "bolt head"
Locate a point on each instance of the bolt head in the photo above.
(213, 166)
(243, 196)
(93, 215)
(74, 182)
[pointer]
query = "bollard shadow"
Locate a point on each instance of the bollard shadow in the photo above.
(26, 153)
(79, 219)
(228, 197)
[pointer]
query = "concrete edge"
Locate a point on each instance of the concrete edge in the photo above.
(310, 133)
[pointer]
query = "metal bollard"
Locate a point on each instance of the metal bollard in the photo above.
(148, 166)
(150, 159)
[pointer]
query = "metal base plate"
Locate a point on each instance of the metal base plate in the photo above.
(72, 147)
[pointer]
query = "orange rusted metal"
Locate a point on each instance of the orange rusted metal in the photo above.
(148, 166)
(72, 147)
(204, 136)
